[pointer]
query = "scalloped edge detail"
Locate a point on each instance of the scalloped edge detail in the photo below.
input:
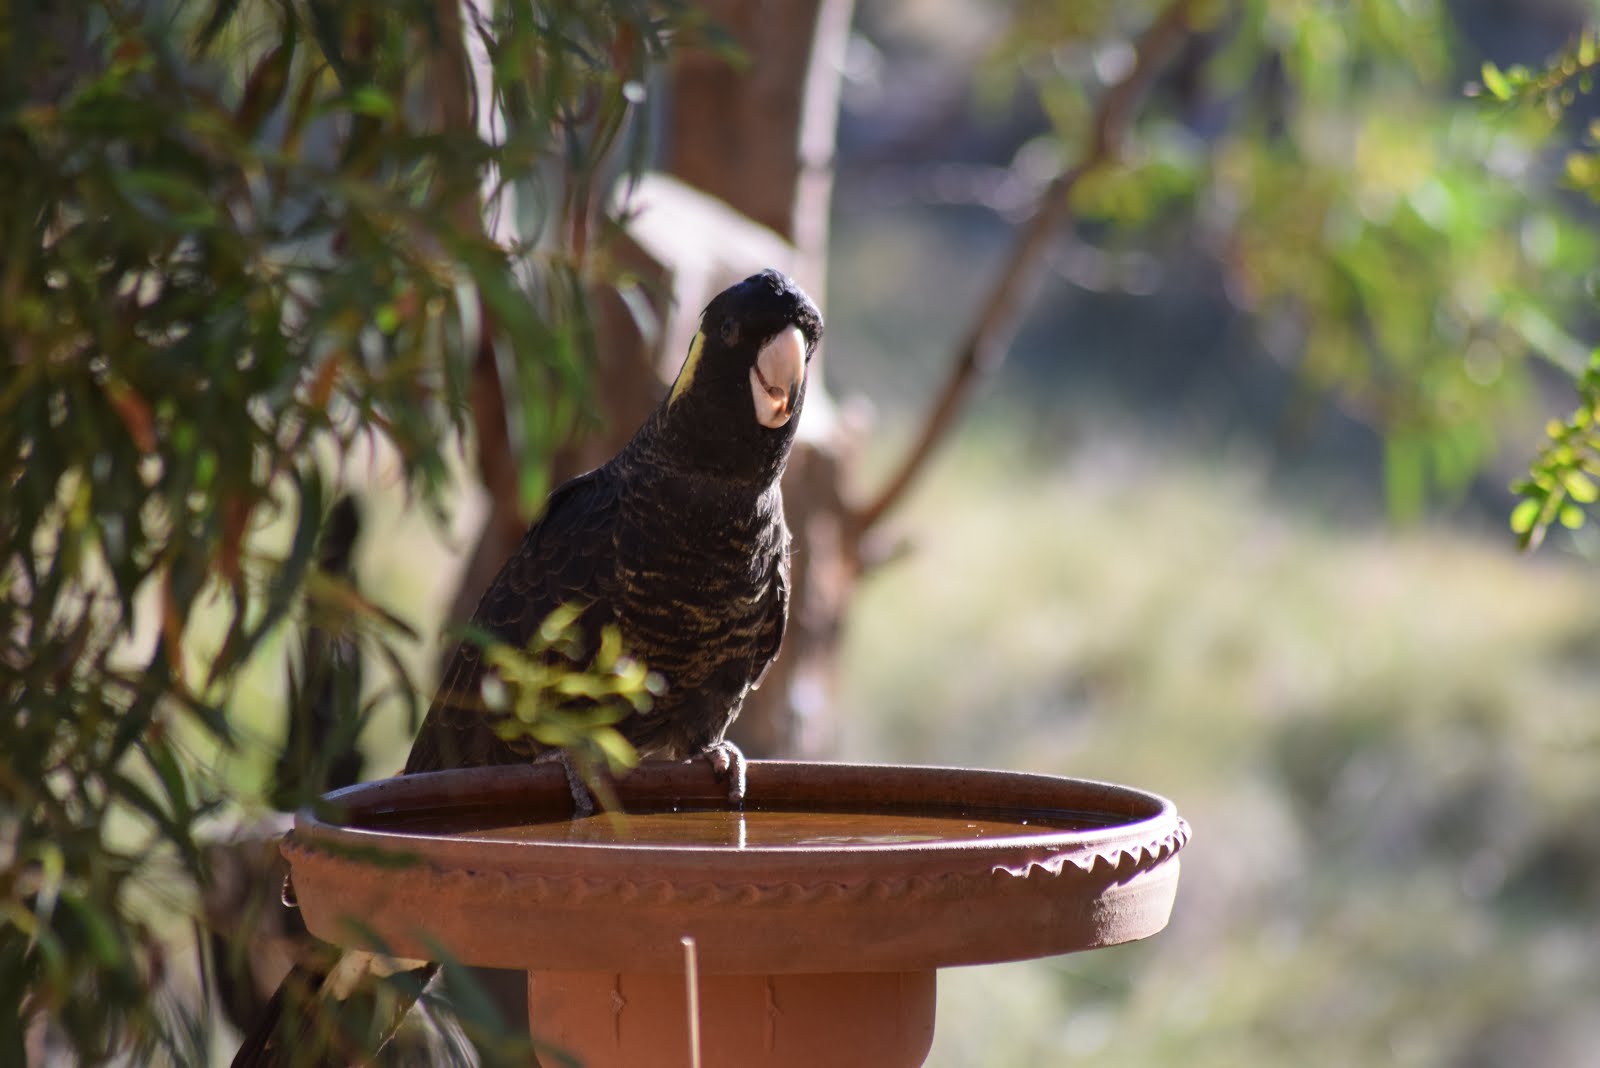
(1120, 863)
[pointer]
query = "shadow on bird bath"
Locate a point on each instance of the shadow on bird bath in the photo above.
(819, 912)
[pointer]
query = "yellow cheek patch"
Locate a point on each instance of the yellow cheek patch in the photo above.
(690, 365)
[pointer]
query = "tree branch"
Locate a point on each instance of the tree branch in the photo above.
(986, 344)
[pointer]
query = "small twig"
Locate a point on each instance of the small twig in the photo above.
(453, 86)
(996, 324)
(691, 979)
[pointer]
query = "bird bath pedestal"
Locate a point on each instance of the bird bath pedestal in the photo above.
(819, 913)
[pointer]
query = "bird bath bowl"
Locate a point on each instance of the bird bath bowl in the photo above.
(819, 913)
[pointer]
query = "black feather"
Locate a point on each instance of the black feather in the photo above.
(679, 540)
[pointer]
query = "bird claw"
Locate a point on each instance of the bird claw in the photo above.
(728, 763)
(582, 800)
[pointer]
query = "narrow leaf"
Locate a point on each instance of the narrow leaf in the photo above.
(1495, 81)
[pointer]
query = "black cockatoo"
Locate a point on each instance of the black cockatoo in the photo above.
(679, 540)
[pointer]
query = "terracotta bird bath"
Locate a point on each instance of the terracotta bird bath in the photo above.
(819, 913)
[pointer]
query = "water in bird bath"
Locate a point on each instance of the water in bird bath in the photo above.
(753, 827)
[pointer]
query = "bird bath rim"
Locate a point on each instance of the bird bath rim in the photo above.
(881, 906)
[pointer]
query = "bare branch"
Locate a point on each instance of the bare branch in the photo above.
(463, 97)
(985, 345)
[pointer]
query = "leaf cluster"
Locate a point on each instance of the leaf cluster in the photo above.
(1560, 487)
(1556, 86)
(1401, 250)
(1561, 478)
(232, 231)
(565, 696)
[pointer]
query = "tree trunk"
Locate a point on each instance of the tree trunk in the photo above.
(760, 137)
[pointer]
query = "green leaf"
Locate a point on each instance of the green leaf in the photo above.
(371, 101)
(1495, 81)
(560, 621)
(1580, 487)
(618, 752)
(1524, 515)
(1583, 170)
(97, 927)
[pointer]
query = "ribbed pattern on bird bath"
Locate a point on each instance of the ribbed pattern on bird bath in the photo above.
(800, 939)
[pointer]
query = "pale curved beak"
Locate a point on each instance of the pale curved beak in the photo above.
(775, 379)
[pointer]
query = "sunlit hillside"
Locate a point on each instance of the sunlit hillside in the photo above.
(1384, 740)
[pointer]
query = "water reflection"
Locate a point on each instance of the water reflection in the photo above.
(755, 827)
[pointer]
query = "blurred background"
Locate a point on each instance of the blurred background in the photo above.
(1182, 541)
(1259, 330)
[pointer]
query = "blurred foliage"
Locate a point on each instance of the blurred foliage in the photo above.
(1402, 249)
(1385, 741)
(1561, 478)
(565, 696)
(233, 230)
(1556, 87)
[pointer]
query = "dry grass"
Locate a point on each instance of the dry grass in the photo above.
(1385, 742)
